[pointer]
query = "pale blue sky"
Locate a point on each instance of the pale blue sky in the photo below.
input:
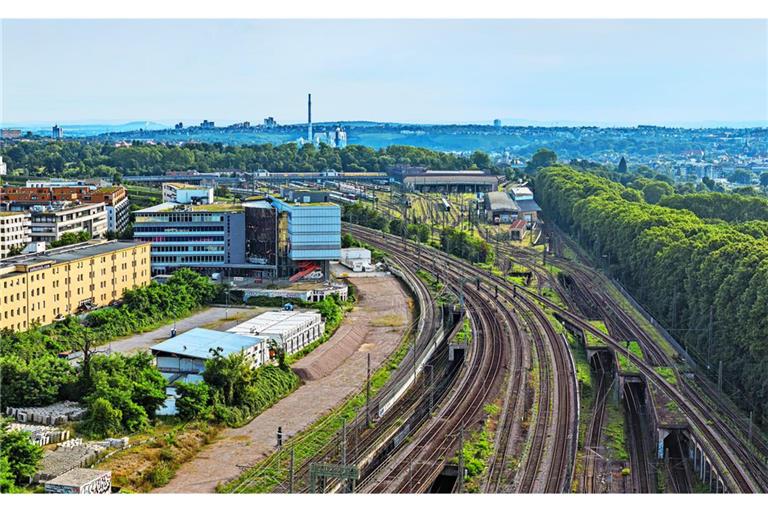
(613, 72)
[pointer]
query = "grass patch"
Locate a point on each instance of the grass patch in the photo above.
(615, 434)
(391, 320)
(465, 334)
(625, 364)
(667, 373)
(158, 455)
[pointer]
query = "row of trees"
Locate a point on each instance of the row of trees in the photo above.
(87, 159)
(680, 266)
(718, 205)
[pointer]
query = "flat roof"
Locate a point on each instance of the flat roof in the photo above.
(196, 343)
(186, 185)
(72, 253)
(275, 323)
(170, 206)
(79, 476)
(12, 214)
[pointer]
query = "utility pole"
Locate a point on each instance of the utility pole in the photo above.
(711, 334)
(720, 376)
(461, 460)
(290, 473)
(343, 440)
(368, 394)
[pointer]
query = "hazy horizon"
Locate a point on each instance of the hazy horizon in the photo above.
(686, 73)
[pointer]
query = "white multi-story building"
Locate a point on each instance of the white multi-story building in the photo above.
(50, 223)
(15, 229)
(187, 194)
(3, 167)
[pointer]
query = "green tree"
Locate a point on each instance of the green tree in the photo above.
(193, 400)
(104, 420)
(7, 478)
(71, 238)
(21, 454)
(542, 158)
(764, 179)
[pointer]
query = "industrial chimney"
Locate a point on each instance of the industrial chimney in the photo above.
(309, 118)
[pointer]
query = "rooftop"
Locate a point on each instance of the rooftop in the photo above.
(275, 323)
(528, 205)
(79, 476)
(171, 206)
(186, 185)
(197, 343)
(452, 178)
(11, 214)
(501, 201)
(70, 253)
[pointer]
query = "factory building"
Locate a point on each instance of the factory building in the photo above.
(184, 193)
(15, 231)
(40, 288)
(451, 181)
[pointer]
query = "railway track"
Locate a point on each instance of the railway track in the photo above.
(552, 474)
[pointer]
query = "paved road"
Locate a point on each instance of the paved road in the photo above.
(212, 318)
(337, 371)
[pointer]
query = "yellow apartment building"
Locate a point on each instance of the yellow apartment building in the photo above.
(40, 288)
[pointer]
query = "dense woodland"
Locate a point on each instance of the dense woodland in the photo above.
(680, 266)
(83, 160)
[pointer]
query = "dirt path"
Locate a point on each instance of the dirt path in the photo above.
(332, 373)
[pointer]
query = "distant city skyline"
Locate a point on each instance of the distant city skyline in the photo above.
(547, 72)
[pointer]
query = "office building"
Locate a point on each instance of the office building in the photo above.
(265, 239)
(206, 124)
(57, 132)
(309, 237)
(40, 288)
(50, 222)
(56, 193)
(206, 238)
(15, 231)
(184, 193)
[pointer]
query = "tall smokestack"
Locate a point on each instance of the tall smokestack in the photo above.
(309, 118)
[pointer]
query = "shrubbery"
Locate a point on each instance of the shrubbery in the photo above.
(32, 373)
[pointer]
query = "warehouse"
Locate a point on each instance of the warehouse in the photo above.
(292, 330)
(451, 181)
(528, 208)
(188, 352)
(500, 208)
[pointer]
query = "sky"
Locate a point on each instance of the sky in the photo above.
(603, 72)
